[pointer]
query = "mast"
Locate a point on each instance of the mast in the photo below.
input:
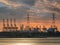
(53, 19)
(28, 19)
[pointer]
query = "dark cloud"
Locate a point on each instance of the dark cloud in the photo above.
(20, 12)
(29, 2)
(54, 9)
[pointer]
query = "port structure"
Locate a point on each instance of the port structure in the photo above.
(53, 19)
(9, 25)
(53, 27)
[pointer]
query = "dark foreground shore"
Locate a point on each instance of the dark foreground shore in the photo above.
(29, 35)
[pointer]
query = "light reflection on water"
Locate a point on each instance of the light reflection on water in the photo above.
(29, 43)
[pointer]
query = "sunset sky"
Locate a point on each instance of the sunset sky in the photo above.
(40, 11)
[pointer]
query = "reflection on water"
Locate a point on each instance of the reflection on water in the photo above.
(29, 40)
(29, 43)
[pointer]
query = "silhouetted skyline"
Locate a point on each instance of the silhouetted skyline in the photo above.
(40, 11)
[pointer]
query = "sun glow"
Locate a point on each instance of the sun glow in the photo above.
(17, 44)
(23, 44)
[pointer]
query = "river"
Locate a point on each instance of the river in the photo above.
(30, 41)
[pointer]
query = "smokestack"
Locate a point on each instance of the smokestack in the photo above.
(7, 28)
(7, 23)
(14, 22)
(3, 24)
(11, 22)
(15, 25)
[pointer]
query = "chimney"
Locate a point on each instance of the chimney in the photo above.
(7, 28)
(11, 22)
(7, 23)
(15, 26)
(14, 22)
(3, 24)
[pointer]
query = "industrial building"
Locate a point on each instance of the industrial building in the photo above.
(9, 25)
